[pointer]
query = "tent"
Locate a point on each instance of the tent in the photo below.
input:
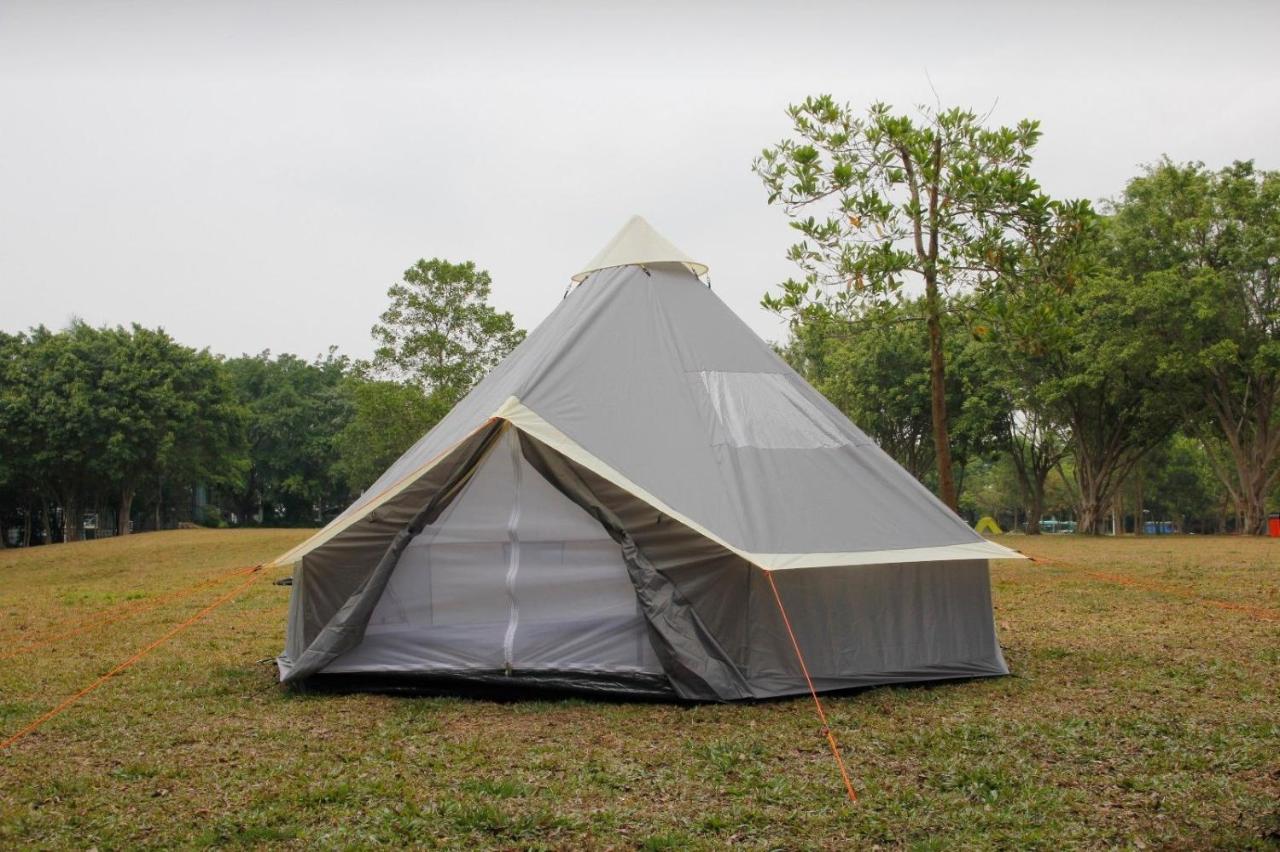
(644, 499)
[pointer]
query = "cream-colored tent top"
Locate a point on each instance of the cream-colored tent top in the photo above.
(638, 244)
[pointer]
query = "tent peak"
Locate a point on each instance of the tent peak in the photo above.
(637, 244)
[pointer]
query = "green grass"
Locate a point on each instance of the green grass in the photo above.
(1141, 716)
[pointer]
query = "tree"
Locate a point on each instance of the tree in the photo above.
(436, 340)
(937, 200)
(1177, 484)
(63, 431)
(992, 488)
(1217, 236)
(1102, 373)
(878, 375)
(19, 492)
(169, 413)
(1037, 447)
(1028, 340)
(440, 332)
(296, 409)
(387, 418)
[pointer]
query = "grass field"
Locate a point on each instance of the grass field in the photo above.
(1145, 713)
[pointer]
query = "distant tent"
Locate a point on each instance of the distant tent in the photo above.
(608, 509)
(987, 525)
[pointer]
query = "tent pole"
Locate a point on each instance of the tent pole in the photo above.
(822, 715)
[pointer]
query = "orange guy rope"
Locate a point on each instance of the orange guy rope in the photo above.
(1260, 612)
(826, 728)
(120, 612)
(126, 664)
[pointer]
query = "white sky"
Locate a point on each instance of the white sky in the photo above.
(254, 175)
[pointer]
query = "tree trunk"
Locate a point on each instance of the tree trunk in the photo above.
(938, 399)
(1092, 502)
(26, 528)
(122, 516)
(1255, 518)
(1248, 428)
(1254, 485)
(1138, 523)
(1088, 512)
(1035, 511)
(71, 520)
(1090, 518)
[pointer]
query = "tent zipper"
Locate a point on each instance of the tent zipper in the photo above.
(513, 559)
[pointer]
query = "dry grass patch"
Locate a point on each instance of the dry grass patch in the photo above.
(1138, 716)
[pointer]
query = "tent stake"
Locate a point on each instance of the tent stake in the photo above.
(822, 715)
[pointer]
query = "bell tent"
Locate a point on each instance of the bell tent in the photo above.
(644, 499)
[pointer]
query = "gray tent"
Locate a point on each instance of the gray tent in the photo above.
(630, 503)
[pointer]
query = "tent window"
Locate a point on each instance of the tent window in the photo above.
(766, 411)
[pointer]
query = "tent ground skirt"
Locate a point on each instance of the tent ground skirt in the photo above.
(499, 685)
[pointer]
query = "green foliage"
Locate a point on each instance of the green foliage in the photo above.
(893, 202)
(440, 332)
(1178, 484)
(1104, 379)
(387, 418)
(878, 375)
(1215, 237)
(49, 405)
(438, 337)
(166, 412)
(899, 199)
(91, 417)
(296, 409)
(94, 416)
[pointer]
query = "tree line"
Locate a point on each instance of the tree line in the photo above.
(1023, 355)
(137, 431)
(1072, 357)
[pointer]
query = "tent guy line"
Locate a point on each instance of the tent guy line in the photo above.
(1260, 612)
(116, 614)
(817, 702)
(120, 667)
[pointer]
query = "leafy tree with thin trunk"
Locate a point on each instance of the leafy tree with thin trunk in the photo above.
(440, 331)
(436, 340)
(886, 202)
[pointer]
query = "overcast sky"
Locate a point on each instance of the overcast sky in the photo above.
(254, 175)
